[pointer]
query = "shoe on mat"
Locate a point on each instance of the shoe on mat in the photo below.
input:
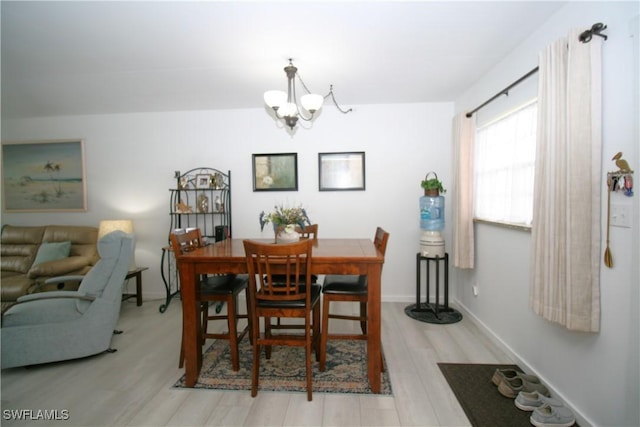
(552, 416)
(510, 387)
(500, 374)
(528, 401)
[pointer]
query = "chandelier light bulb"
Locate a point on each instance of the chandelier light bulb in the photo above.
(289, 109)
(312, 102)
(275, 98)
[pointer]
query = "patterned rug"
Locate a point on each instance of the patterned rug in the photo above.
(345, 371)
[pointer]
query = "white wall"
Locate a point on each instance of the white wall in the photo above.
(131, 159)
(597, 374)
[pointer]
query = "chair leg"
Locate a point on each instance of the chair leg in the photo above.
(255, 370)
(267, 335)
(308, 340)
(233, 333)
(363, 315)
(181, 362)
(204, 307)
(249, 318)
(317, 334)
(325, 330)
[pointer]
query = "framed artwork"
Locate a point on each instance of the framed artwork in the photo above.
(203, 180)
(341, 171)
(275, 172)
(44, 176)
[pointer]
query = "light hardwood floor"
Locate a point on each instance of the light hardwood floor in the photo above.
(133, 387)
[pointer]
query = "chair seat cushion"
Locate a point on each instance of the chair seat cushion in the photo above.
(224, 285)
(315, 297)
(41, 312)
(345, 284)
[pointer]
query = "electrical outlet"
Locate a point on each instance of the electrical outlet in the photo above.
(620, 215)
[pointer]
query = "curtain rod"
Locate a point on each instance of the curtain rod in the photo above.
(585, 37)
(504, 91)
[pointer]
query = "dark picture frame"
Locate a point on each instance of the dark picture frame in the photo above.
(343, 171)
(44, 176)
(275, 172)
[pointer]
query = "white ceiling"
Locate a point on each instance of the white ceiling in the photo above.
(69, 58)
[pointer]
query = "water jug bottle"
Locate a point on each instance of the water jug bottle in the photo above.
(432, 213)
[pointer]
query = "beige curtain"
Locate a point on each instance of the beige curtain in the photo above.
(565, 264)
(462, 202)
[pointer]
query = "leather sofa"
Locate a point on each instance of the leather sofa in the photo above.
(19, 246)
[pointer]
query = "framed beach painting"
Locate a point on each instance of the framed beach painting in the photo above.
(275, 172)
(44, 176)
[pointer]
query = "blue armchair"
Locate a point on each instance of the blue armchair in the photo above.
(53, 326)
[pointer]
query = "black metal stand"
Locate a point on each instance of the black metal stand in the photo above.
(168, 277)
(436, 312)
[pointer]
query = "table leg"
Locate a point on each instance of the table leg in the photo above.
(139, 288)
(374, 344)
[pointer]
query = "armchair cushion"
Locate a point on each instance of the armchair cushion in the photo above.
(42, 312)
(52, 251)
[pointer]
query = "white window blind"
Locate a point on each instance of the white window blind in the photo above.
(504, 165)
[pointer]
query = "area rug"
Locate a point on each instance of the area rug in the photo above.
(479, 397)
(345, 370)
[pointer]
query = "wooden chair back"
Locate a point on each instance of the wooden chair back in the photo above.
(380, 240)
(185, 240)
(308, 232)
(278, 272)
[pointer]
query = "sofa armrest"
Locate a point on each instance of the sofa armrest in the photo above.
(58, 267)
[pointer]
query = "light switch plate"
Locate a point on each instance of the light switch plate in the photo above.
(620, 216)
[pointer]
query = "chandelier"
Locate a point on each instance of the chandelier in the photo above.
(285, 105)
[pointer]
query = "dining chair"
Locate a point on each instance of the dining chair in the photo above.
(309, 231)
(295, 297)
(351, 288)
(213, 289)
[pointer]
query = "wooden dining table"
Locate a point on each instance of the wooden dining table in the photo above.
(329, 256)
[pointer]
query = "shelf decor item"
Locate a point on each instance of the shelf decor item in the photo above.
(284, 220)
(432, 217)
(203, 203)
(203, 181)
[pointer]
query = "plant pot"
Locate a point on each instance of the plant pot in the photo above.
(287, 234)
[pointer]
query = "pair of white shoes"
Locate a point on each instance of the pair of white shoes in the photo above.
(547, 411)
(510, 382)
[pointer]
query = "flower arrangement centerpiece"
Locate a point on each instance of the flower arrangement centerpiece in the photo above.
(287, 217)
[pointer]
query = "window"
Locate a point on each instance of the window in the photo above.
(504, 164)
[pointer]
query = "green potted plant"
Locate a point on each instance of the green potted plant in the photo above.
(432, 186)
